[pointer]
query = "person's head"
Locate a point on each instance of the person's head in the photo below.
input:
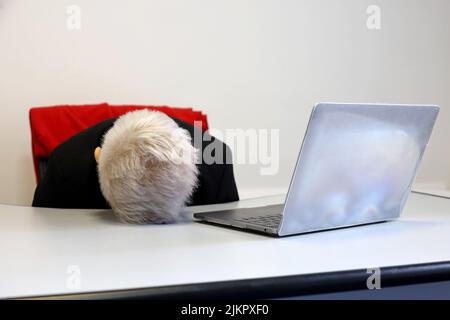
(146, 168)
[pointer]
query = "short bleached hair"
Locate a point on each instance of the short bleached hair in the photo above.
(147, 168)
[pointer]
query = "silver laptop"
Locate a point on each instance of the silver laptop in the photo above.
(356, 166)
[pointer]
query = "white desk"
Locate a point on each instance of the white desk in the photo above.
(38, 245)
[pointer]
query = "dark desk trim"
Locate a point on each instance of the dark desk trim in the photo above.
(278, 287)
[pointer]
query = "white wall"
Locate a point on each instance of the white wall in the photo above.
(246, 63)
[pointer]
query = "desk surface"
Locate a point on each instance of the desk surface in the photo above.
(38, 248)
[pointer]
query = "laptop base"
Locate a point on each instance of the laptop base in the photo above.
(258, 219)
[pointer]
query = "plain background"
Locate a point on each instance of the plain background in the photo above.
(246, 63)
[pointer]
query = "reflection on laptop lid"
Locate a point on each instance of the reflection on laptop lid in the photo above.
(356, 166)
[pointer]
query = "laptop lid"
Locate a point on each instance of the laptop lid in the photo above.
(356, 165)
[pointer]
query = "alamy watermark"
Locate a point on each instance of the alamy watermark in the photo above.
(73, 280)
(374, 17)
(73, 21)
(374, 280)
(259, 147)
(246, 146)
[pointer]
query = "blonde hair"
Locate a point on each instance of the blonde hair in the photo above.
(147, 168)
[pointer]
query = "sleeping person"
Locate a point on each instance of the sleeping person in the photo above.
(144, 165)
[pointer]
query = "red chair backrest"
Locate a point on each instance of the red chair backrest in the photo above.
(50, 126)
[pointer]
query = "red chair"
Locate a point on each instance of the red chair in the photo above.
(50, 126)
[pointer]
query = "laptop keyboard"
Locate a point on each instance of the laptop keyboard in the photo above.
(271, 220)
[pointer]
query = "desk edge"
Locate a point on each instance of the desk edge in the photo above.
(276, 287)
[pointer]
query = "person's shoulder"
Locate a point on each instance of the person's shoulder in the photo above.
(87, 138)
(74, 157)
(70, 176)
(185, 125)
